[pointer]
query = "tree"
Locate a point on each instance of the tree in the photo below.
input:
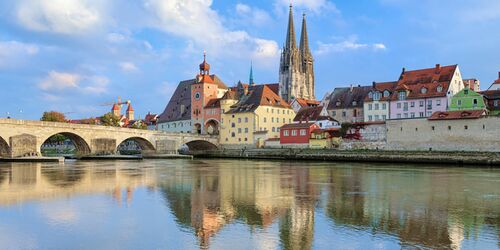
(110, 120)
(53, 116)
(140, 125)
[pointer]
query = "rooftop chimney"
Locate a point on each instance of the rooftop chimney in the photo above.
(373, 84)
(498, 74)
(351, 87)
(404, 70)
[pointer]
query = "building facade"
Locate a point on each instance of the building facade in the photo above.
(254, 117)
(346, 104)
(194, 106)
(297, 134)
(296, 74)
(467, 99)
(496, 84)
(419, 93)
(318, 115)
(492, 98)
(377, 103)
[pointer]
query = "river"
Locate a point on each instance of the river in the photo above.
(243, 204)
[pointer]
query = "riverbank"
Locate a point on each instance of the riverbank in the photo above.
(425, 157)
(34, 159)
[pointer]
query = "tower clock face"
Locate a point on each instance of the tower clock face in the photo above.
(197, 95)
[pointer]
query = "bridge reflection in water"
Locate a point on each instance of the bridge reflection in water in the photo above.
(298, 205)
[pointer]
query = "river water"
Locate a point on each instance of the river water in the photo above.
(240, 204)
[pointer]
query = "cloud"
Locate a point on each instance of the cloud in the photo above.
(13, 52)
(61, 81)
(197, 21)
(349, 44)
(316, 6)
(251, 15)
(128, 67)
(59, 16)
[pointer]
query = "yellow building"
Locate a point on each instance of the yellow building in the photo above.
(254, 117)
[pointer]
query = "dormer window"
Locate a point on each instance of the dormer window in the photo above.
(402, 95)
(338, 103)
(440, 89)
(354, 103)
(386, 93)
(370, 95)
(423, 90)
(376, 96)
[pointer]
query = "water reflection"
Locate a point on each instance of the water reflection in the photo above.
(301, 205)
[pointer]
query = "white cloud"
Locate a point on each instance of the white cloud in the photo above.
(266, 49)
(252, 15)
(198, 22)
(128, 66)
(316, 6)
(59, 16)
(349, 44)
(12, 51)
(61, 81)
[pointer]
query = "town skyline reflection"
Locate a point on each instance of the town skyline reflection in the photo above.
(298, 205)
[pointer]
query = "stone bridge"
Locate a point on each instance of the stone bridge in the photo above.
(19, 138)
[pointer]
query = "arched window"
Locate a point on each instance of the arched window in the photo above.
(402, 95)
(423, 90)
(386, 93)
(440, 88)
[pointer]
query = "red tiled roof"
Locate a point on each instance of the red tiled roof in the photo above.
(129, 108)
(414, 80)
(455, 115)
(298, 125)
(259, 95)
(307, 103)
(275, 87)
(497, 80)
(116, 107)
(204, 79)
(491, 94)
(381, 87)
(213, 103)
(311, 114)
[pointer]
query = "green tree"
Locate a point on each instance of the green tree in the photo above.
(53, 116)
(110, 120)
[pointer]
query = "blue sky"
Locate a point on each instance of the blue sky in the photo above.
(74, 55)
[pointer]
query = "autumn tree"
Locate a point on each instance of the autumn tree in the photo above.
(53, 116)
(110, 120)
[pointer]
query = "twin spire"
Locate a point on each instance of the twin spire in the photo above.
(291, 37)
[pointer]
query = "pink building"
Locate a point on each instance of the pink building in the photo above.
(419, 93)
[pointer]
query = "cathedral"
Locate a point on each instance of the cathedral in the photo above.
(296, 66)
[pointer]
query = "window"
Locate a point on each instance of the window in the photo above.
(438, 102)
(272, 111)
(370, 106)
(412, 115)
(233, 125)
(239, 130)
(197, 95)
(429, 113)
(284, 120)
(239, 120)
(423, 90)
(246, 119)
(286, 133)
(495, 103)
(459, 103)
(406, 115)
(466, 91)
(475, 102)
(265, 119)
(370, 118)
(334, 113)
(399, 105)
(377, 106)
(433, 128)
(429, 104)
(386, 93)
(274, 129)
(412, 104)
(294, 132)
(233, 134)
(302, 132)
(405, 106)
(354, 103)
(377, 117)
(320, 125)
(376, 96)
(344, 114)
(421, 114)
(402, 95)
(246, 130)
(421, 103)
(449, 127)
(440, 88)
(399, 116)
(466, 127)
(272, 119)
(246, 139)
(370, 95)
(384, 117)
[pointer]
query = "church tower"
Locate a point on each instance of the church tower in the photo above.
(296, 78)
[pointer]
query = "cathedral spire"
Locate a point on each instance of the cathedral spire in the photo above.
(251, 82)
(304, 39)
(290, 35)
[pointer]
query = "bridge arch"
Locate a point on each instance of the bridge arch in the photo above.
(4, 148)
(199, 145)
(143, 143)
(81, 145)
(212, 127)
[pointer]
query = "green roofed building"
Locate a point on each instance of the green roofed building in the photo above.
(467, 99)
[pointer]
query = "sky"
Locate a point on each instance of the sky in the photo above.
(77, 56)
